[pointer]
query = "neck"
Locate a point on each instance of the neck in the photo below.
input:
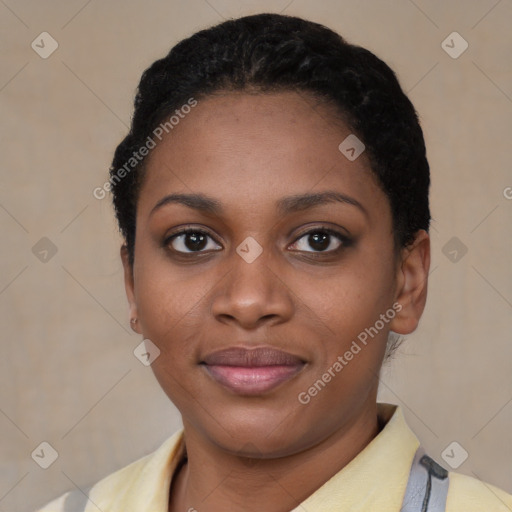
(213, 480)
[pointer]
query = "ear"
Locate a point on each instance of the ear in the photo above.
(130, 288)
(412, 280)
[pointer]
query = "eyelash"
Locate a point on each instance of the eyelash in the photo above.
(343, 239)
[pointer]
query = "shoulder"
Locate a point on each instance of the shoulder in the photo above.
(472, 495)
(124, 485)
(102, 491)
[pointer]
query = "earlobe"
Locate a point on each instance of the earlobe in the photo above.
(412, 282)
(130, 289)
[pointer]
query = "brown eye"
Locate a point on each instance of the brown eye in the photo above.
(191, 240)
(321, 240)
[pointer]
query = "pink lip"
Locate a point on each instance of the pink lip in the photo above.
(252, 371)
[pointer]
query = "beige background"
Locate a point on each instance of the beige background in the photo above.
(68, 375)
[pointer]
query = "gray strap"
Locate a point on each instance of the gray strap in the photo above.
(76, 501)
(427, 488)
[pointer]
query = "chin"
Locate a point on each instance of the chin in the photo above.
(256, 436)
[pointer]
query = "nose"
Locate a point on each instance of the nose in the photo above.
(253, 293)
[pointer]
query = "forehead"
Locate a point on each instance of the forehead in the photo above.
(250, 149)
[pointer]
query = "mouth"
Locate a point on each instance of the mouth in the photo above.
(252, 371)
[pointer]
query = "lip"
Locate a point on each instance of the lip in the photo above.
(252, 371)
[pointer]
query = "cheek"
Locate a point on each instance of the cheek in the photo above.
(353, 297)
(349, 356)
(170, 313)
(168, 305)
(349, 306)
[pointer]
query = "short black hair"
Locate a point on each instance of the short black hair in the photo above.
(274, 52)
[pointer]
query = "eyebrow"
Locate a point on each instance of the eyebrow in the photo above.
(285, 205)
(301, 202)
(197, 201)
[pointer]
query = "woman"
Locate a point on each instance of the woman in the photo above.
(273, 198)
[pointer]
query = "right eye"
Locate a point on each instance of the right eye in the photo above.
(191, 240)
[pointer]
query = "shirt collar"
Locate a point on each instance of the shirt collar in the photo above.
(375, 479)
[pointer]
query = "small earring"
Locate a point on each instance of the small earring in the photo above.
(133, 321)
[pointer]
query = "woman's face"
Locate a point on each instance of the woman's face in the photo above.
(298, 256)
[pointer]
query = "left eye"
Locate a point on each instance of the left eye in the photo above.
(320, 240)
(191, 240)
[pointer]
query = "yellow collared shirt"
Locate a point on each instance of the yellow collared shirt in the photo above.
(374, 481)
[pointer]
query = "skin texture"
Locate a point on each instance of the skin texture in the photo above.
(248, 151)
